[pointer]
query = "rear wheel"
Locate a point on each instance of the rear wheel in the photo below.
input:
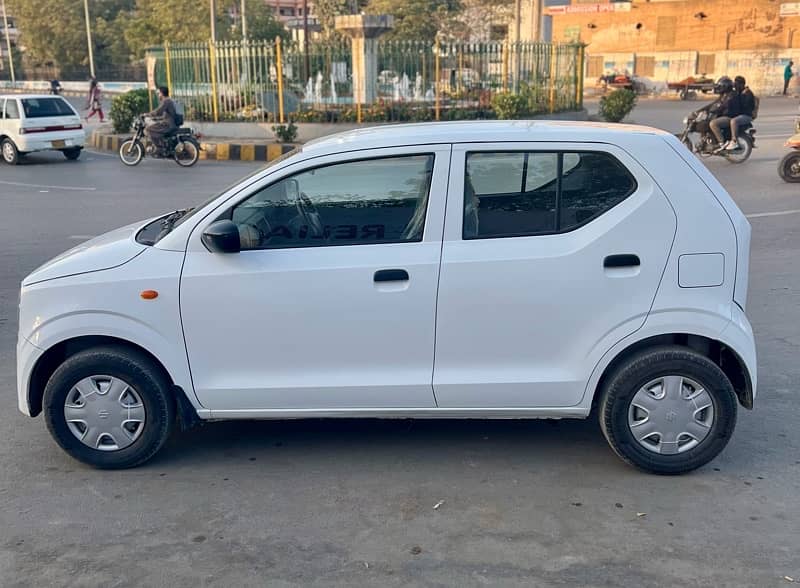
(789, 167)
(72, 154)
(744, 147)
(186, 153)
(668, 410)
(9, 152)
(131, 152)
(109, 407)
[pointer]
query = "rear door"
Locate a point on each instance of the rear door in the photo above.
(552, 253)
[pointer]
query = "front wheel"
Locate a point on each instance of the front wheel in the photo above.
(187, 153)
(668, 410)
(109, 407)
(131, 152)
(744, 147)
(789, 167)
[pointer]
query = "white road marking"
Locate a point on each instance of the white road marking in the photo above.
(81, 237)
(777, 213)
(72, 188)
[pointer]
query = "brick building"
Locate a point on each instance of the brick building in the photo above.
(668, 40)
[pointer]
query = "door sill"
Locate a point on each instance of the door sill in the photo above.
(397, 413)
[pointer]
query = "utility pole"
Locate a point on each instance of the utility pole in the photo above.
(244, 19)
(517, 47)
(213, 8)
(536, 20)
(88, 36)
(8, 45)
(305, 39)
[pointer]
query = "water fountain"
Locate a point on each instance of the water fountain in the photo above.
(334, 97)
(418, 95)
(405, 87)
(309, 89)
(318, 88)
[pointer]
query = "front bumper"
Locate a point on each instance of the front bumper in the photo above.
(27, 356)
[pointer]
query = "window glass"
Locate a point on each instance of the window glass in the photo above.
(354, 203)
(592, 183)
(12, 110)
(510, 194)
(44, 107)
(521, 194)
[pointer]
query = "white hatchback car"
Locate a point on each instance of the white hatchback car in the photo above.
(31, 123)
(451, 270)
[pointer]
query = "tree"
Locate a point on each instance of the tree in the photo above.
(416, 19)
(54, 31)
(326, 12)
(176, 21)
(261, 22)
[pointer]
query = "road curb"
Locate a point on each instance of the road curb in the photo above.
(211, 150)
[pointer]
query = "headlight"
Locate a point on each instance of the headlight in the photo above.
(686, 120)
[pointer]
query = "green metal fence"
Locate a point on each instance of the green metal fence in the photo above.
(415, 80)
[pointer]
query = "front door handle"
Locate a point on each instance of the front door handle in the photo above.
(391, 275)
(622, 260)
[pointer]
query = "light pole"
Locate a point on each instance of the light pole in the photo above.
(8, 45)
(244, 19)
(88, 36)
(213, 6)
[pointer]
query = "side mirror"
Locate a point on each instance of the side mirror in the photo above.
(222, 236)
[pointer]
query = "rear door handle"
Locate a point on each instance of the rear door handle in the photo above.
(391, 275)
(622, 260)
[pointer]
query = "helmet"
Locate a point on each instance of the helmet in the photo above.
(723, 85)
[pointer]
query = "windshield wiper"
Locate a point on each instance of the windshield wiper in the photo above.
(168, 222)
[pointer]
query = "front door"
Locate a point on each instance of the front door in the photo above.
(331, 304)
(552, 253)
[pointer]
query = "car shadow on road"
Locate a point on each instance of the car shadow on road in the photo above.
(422, 441)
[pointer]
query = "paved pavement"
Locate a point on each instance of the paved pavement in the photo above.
(352, 503)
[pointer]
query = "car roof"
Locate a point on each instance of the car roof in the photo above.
(475, 131)
(27, 96)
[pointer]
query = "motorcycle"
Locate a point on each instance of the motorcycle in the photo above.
(707, 145)
(789, 166)
(180, 145)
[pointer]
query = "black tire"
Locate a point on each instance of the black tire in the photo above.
(9, 152)
(137, 370)
(645, 367)
(743, 154)
(72, 154)
(131, 152)
(190, 154)
(789, 167)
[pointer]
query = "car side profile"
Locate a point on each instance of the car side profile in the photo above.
(444, 270)
(30, 123)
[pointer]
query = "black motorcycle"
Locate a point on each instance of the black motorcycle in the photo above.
(180, 145)
(700, 122)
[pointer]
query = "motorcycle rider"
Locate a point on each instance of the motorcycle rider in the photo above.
(165, 115)
(745, 106)
(724, 108)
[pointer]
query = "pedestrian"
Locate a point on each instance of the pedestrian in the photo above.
(95, 104)
(787, 76)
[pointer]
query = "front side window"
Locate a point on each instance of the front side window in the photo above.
(44, 107)
(355, 203)
(517, 194)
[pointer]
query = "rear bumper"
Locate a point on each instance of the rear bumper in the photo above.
(45, 141)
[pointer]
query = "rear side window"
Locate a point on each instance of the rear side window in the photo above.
(44, 107)
(519, 194)
(12, 110)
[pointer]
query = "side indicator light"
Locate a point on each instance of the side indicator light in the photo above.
(149, 294)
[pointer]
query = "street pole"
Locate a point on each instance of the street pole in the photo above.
(517, 49)
(213, 10)
(8, 45)
(89, 37)
(536, 20)
(305, 39)
(244, 20)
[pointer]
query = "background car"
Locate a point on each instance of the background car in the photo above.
(30, 123)
(450, 270)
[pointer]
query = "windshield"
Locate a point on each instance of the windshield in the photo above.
(44, 107)
(159, 228)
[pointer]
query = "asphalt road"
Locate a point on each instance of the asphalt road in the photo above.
(348, 503)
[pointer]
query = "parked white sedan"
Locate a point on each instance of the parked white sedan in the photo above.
(30, 123)
(455, 270)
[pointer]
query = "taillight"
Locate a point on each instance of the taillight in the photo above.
(24, 131)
